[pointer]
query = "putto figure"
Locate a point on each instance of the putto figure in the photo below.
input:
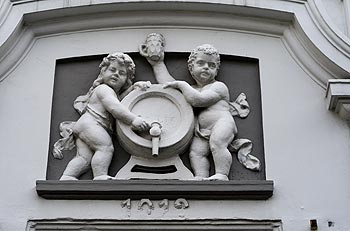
(216, 128)
(98, 108)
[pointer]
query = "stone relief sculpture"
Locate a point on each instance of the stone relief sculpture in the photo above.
(215, 127)
(155, 123)
(98, 108)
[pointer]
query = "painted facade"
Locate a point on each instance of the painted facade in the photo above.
(300, 45)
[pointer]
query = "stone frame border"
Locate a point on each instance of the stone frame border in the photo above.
(155, 189)
(147, 225)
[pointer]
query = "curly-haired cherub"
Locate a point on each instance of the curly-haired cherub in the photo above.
(215, 128)
(99, 108)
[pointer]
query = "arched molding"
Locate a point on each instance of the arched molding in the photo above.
(321, 19)
(321, 52)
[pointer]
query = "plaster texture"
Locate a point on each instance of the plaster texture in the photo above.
(338, 15)
(306, 146)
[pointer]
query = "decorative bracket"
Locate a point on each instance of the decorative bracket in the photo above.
(338, 97)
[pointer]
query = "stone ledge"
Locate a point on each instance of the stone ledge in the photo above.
(163, 224)
(155, 189)
(338, 97)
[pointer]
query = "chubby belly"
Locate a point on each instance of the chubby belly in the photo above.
(90, 120)
(208, 118)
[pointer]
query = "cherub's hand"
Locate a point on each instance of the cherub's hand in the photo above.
(139, 124)
(142, 85)
(174, 84)
(151, 61)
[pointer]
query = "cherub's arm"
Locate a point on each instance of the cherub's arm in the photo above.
(160, 71)
(204, 98)
(111, 103)
(143, 85)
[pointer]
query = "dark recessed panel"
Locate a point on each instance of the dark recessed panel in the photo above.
(74, 77)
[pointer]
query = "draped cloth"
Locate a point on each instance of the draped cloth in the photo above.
(67, 141)
(243, 148)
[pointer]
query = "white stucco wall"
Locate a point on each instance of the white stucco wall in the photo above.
(306, 146)
(336, 13)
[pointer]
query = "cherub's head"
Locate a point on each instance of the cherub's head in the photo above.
(117, 70)
(204, 63)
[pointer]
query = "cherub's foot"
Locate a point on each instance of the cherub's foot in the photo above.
(104, 177)
(199, 178)
(218, 176)
(66, 177)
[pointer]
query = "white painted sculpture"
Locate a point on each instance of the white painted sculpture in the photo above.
(156, 154)
(153, 48)
(155, 122)
(98, 108)
(215, 127)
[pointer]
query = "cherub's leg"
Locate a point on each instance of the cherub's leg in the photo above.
(80, 163)
(101, 161)
(100, 141)
(222, 134)
(199, 157)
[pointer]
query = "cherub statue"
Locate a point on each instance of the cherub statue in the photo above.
(215, 127)
(98, 109)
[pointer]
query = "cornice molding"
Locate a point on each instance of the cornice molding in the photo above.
(138, 189)
(338, 97)
(154, 224)
(28, 20)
